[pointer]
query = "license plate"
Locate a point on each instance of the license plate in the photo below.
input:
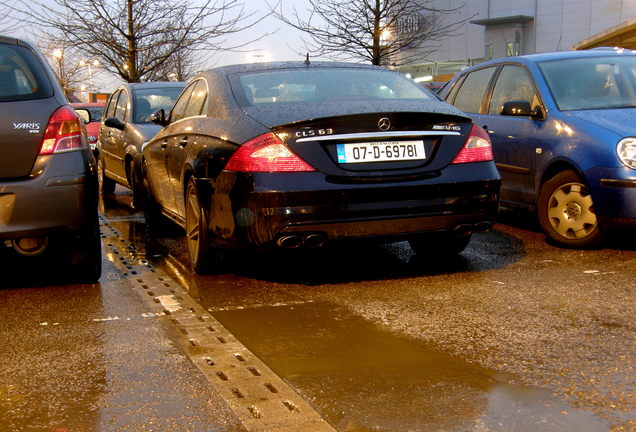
(380, 151)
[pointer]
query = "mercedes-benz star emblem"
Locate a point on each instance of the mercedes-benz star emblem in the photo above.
(384, 124)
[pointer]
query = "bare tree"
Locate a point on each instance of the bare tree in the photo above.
(382, 32)
(134, 38)
(7, 24)
(181, 66)
(65, 62)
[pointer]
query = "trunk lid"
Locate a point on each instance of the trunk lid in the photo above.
(23, 126)
(378, 145)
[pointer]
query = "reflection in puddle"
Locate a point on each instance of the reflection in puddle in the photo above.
(362, 378)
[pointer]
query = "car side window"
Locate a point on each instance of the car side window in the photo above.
(122, 106)
(112, 104)
(198, 99)
(471, 93)
(179, 109)
(513, 84)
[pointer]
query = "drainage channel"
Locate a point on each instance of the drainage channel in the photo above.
(261, 400)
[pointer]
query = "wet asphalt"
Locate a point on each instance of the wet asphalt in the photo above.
(513, 335)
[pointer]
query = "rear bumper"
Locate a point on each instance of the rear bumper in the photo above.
(52, 202)
(259, 209)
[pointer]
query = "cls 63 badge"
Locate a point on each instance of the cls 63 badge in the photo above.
(313, 132)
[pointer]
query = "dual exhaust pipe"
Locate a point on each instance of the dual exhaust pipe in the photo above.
(314, 240)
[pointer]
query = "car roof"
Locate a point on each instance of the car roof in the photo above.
(263, 66)
(152, 84)
(542, 57)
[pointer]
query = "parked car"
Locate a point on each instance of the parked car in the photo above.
(563, 135)
(289, 155)
(92, 115)
(434, 86)
(48, 181)
(125, 127)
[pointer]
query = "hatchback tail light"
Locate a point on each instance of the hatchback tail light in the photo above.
(477, 147)
(64, 132)
(266, 153)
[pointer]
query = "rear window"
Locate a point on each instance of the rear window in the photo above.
(324, 85)
(22, 76)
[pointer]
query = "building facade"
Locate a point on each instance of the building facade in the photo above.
(500, 28)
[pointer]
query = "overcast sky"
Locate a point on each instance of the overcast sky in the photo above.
(279, 46)
(282, 45)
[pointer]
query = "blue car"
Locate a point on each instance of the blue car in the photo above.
(563, 131)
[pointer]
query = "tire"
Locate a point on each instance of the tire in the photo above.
(139, 195)
(155, 221)
(197, 232)
(439, 244)
(106, 185)
(566, 212)
(86, 255)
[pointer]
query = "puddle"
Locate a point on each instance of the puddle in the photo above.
(360, 377)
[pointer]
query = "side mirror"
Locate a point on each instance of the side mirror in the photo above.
(159, 117)
(516, 108)
(84, 114)
(114, 122)
(521, 109)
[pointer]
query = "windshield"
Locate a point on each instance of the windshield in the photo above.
(323, 85)
(149, 100)
(592, 83)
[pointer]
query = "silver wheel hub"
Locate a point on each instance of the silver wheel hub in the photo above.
(573, 210)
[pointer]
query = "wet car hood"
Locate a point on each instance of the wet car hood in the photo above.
(619, 121)
(271, 115)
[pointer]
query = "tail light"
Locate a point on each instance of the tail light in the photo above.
(477, 147)
(64, 132)
(266, 153)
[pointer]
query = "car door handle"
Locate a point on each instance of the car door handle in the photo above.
(164, 144)
(183, 142)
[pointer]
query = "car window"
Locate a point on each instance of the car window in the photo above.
(592, 83)
(513, 84)
(122, 106)
(472, 90)
(149, 100)
(179, 108)
(323, 85)
(96, 112)
(22, 77)
(112, 104)
(198, 99)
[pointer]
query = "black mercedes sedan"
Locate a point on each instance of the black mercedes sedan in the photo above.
(292, 155)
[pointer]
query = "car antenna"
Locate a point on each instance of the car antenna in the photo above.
(307, 62)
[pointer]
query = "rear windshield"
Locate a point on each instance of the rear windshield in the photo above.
(21, 75)
(324, 85)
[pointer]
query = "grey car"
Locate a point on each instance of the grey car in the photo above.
(48, 178)
(126, 126)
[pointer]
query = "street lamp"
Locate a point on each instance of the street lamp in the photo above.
(88, 64)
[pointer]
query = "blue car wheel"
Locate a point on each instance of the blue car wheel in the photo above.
(566, 212)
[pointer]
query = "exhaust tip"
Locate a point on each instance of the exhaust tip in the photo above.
(30, 246)
(463, 230)
(483, 226)
(314, 240)
(289, 241)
